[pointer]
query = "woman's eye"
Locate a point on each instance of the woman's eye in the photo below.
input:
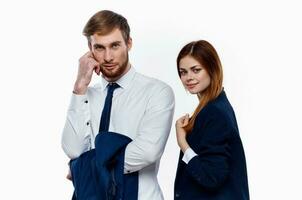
(182, 73)
(196, 70)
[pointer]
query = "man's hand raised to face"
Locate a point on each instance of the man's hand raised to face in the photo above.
(87, 64)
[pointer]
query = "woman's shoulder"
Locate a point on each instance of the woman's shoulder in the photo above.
(216, 121)
(218, 109)
(211, 111)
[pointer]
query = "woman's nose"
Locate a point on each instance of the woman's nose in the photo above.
(189, 77)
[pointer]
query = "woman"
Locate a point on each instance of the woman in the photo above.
(212, 162)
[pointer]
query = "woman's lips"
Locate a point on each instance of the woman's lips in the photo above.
(191, 86)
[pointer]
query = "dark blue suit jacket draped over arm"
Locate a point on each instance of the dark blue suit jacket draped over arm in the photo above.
(98, 174)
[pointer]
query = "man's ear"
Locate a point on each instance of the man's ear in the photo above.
(129, 43)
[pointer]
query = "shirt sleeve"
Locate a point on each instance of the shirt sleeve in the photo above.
(77, 130)
(188, 155)
(153, 132)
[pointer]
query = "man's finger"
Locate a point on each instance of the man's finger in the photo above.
(69, 177)
(97, 69)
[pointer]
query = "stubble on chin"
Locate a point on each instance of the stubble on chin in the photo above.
(116, 73)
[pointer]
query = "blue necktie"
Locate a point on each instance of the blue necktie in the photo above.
(105, 118)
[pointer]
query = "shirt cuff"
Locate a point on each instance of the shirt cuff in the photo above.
(78, 102)
(188, 155)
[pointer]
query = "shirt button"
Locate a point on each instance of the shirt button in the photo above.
(86, 101)
(87, 123)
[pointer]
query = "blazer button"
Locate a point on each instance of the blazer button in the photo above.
(177, 195)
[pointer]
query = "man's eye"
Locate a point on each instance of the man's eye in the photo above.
(115, 46)
(98, 48)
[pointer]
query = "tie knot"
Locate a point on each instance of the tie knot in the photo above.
(112, 86)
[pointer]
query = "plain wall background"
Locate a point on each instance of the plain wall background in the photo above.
(259, 43)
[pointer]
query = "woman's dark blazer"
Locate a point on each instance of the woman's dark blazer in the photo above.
(218, 172)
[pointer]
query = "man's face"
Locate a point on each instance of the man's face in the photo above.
(111, 51)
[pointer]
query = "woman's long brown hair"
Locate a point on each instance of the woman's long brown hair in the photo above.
(206, 55)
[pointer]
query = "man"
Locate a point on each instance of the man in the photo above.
(142, 107)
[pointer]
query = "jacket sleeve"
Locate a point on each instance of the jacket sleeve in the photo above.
(153, 132)
(210, 168)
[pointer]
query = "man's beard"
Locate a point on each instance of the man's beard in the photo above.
(120, 69)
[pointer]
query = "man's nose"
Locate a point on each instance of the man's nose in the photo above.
(108, 57)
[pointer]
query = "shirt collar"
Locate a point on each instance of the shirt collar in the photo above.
(124, 81)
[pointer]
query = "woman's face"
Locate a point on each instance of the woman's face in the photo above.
(193, 76)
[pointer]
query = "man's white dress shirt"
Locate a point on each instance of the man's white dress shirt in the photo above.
(142, 109)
